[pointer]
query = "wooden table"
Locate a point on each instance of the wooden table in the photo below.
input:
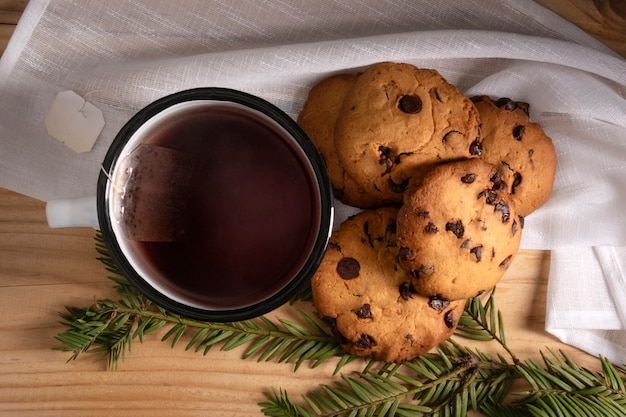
(41, 270)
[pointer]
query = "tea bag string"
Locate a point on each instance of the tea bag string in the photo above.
(125, 110)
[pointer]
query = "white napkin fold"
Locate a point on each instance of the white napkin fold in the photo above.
(121, 55)
(585, 310)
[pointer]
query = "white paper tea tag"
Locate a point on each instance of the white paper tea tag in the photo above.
(74, 121)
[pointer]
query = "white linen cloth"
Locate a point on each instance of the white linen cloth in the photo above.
(122, 55)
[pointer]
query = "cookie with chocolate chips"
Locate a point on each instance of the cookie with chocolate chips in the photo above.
(317, 118)
(458, 230)
(522, 151)
(397, 121)
(371, 301)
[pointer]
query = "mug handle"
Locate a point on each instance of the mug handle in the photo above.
(72, 212)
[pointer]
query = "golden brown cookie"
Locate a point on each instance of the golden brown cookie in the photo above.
(375, 310)
(317, 118)
(397, 121)
(523, 152)
(458, 230)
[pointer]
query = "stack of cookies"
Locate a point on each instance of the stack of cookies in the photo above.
(444, 182)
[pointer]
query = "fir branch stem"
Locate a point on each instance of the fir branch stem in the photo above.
(451, 381)
(108, 327)
(484, 322)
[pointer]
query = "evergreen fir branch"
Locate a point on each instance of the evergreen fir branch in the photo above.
(483, 322)
(448, 382)
(561, 387)
(456, 380)
(283, 406)
(109, 327)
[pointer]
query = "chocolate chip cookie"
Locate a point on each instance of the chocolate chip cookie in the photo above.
(317, 118)
(458, 230)
(522, 151)
(397, 121)
(371, 300)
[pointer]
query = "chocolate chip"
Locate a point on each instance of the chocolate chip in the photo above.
(424, 214)
(431, 228)
(456, 228)
(503, 208)
(517, 180)
(438, 303)
(410, 104)
(334, 246)
(399, 157)
(491, 197)
(525, 107)
(397, 187)
(384, 151)
(449, 320)
(385, 158)
(531, 152)
(423, 271)
(468, 178)
(405, 254)
(409, 337)
(348, 268)
(514, 228)
(496, 179)
(387, 163)
(507, 103)
(505, 262)
(365, 341)
(521, 221)
(465, 244)
(364, 312)
(406, 291)
(476, 148)
(477, 251)
(518, 132)
(427, 270)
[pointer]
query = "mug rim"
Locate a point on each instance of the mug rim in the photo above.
(320, 243)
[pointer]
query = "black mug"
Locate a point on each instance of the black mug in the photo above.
(213, 203)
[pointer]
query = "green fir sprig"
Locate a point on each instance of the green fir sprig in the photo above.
(455, 380)
(450, 381)
(109, 327)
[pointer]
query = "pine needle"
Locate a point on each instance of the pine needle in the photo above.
(450, 381)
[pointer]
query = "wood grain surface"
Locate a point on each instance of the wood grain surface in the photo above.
(42, 269)
(603, 19)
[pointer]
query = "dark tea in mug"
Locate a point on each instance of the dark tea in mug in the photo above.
(216, 207)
